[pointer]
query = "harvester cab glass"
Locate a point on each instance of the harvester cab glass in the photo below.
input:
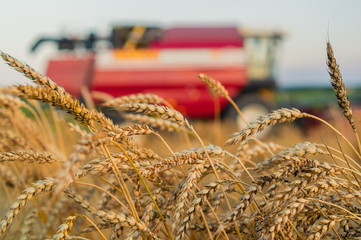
(261, 53)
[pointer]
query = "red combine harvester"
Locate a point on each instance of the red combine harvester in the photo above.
(138, 59)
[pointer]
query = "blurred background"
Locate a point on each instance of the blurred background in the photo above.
(307, 25)
(303, 26)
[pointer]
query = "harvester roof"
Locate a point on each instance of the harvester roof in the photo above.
(199, 37)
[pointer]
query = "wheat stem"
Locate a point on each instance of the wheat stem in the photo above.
(148, 190)
(105, 191)
(237, 109)
(218, 178)
(335, 130)
(95, 226)
(122, 183)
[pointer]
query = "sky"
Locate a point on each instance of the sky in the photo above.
(307, 24)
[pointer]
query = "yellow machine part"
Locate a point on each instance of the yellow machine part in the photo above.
(134, 36)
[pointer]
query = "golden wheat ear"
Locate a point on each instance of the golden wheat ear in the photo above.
(338, 86)
(30, 73)
(135, 98)
(216, 88)
(278, 116)
(162, 112)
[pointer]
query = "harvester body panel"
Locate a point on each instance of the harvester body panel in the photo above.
(161, 61)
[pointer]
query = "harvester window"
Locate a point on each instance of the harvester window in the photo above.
(134, 37)
(261, 50)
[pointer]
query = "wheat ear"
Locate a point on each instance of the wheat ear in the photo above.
(275, 117)
(243, 204)
(162, 124)
(49, 91)
(156, 110)
(201, 197)
(65, 101)
(30, 73)
(64, 228)
(300, 150)
(321, 227)
(216, 88)
(28, 156)
(338, 86)
(38, 187)
(135, 98)
(190, 156)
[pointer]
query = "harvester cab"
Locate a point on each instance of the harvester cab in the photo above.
(262, 51)
(262, 54)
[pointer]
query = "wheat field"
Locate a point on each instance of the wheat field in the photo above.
(69, 172)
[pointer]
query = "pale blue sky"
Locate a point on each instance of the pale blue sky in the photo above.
(305, 21)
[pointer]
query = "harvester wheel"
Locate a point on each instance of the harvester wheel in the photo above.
(251, 106)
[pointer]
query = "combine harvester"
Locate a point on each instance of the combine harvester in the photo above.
(166, 62)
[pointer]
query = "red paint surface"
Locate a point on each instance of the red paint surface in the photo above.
(180, 86)
(177, 84)
(211, 37)
(72, 73)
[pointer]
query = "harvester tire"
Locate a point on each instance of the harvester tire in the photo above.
(251, 106)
